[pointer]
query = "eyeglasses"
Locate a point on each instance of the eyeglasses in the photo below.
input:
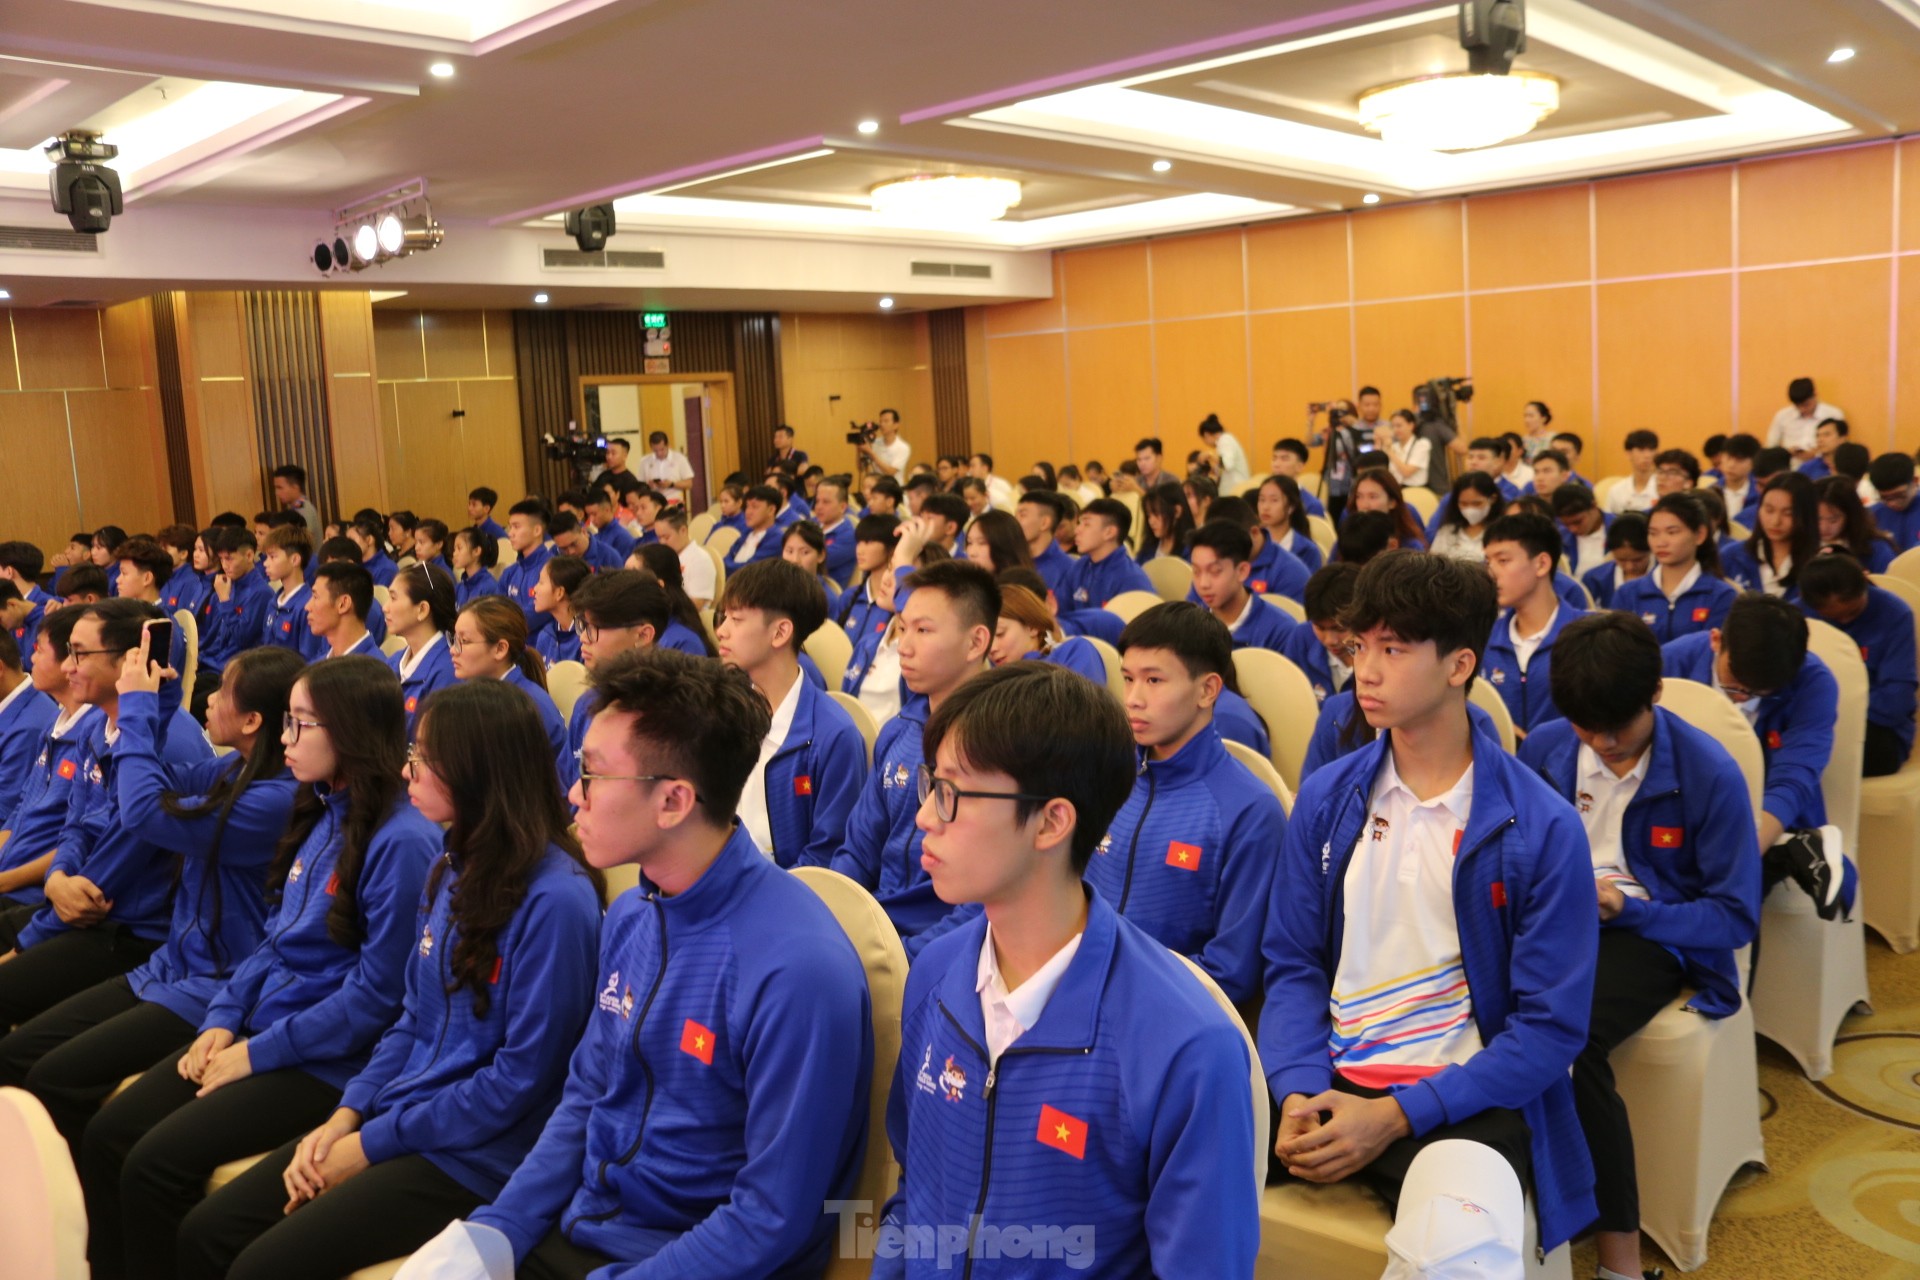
(417, 760)
(291, 725)
(947, 796)
(455, 644)
(588, 777)
(1740, 693)
(90, 653)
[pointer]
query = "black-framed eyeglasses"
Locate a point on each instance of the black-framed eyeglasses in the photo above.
(947, 796)
(1740, 693)
(291, 725)
(90, 653)
(417, 760)
(588, 777)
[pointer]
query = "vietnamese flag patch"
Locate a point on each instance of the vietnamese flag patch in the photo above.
(1773, 739)
(67, 769)
(333, 883)
(1184, 856)
(1669, 837)
(1699, 615)
(1499, 893)
(411, 704)
(698, 1041)
(286, 628)
(1062, 1132)
(803, 785)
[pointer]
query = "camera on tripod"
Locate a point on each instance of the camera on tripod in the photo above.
(1336, 413)
(1437, 399)
(862, 432)
(580, 452)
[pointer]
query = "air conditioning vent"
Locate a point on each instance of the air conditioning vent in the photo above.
(604, 260)
(47, 240)
(955, 270)
(79, 304)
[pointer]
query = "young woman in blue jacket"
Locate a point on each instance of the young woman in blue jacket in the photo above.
(220, 818)
(499, 983)
(421, 610)
(1684, 591)
(299, 1017)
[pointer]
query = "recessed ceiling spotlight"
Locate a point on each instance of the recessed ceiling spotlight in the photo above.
(540, 298)
(868, 126)
(4, 295)
(442, 70)
(886, 304)
(1372, 197)
(1842, 54)
(1161, 166)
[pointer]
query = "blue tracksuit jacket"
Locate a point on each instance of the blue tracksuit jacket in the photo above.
(1265, 627)
(228, 879)
(1053, 565)
(236, 623)
(602, 555)
(1091, 583)
(813, 780)
(1190, 857)
(1092, 622)
(718, 1099)
(46, 791)
(1330, 743)
(1884, 632)
(1742, 569)
(493, 528)
(679, 636)
(1118, 1120)
(1076, 655)
(303, 999)
(1689, 838)
(285, 625)
(1795, 725)
(382, 567)
(616, 537)
(480, 582)
(1701, 607)
(554, 645)
(734, 521)
(123, 861)
(1277, 571)
(840, 551)
(550, 721)
(433, 671)
(1599, 583)
(1303, 649)
(25, 722)
(1235, 720)
(1528, 693)
(517, 581)
(471, 1093)
(1902, 526)
(1523, 901)
(1304, 549)
(768, 548)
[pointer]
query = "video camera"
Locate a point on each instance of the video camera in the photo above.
(1436, 400)
(1336, 416)
(581, 453)
(862, 432)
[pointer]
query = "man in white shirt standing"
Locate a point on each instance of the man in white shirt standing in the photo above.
(888, 455)
(696, 566)
(1234, 473)
(665, 468)
(1793, 427)
(999, 492)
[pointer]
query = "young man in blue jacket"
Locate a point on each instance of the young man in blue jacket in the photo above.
(236, 614)
(26, 715)
(1068, 1095)
(615, 612)
(1104, 568)
(813, 760)
(286, 554)
(718, 1101)
(20, 564)
(1221, 553)
(1837, 589)
(1190, 857)
(836, 526)
(1676, 872)
(1430, 944)
(28, 833)
(1897, 514)
(1319, 649)
(1039, 515)
(760, 537)
(1522, 554)
(527, 522)
(480, 505)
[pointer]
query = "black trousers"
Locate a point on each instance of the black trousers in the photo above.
(1633, 980)
(558, 1258)
(64, 965)
(145, 1158)
(13, 918)
(1884, 754)
(75, 1054)
(384, 1212)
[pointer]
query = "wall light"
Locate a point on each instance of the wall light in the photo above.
(1372, 197)
(4, 295)
(1161, 166)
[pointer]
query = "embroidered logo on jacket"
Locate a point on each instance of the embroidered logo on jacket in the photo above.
(953, 1081)
(923, 1079)
(426, 941)
(610, 994)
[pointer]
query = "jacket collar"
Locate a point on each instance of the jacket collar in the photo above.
(719, 887)
(1493, 807)
(1202, 754)
(1072, 1015)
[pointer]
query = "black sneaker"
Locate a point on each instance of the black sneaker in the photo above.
(1804, 858)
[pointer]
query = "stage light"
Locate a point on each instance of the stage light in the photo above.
(389, 233)
(366, 243)
(591, 226)
(540, 298)
(1372, 197)
(80, 183)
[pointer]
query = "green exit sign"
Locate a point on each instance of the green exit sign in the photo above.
(653, 319)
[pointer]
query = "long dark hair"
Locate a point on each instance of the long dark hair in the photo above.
(1006, 545)
(256, 681)
(1806, 525)
(1481, 483)
(1290, 490)
(1685, 508)
(358, 700)
(1169, 502)
(1406, 525)
(663, 562)
(479, 737)
(1860, 533)
(498, 618)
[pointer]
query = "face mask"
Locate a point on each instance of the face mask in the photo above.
(1473, 515)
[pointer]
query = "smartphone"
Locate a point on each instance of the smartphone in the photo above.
(159, 642)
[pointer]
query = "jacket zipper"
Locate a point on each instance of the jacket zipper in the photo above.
(306, 896)
(1133, 845)
(773, 837)
(446, 1025)
(646, 1107)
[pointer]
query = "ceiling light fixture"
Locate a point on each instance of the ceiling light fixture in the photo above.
(390, 232)
(1161, 166)
(366, 243)
(868, 126)
(4, 295)
(886, 304)
(396, 223)
(442, 70)
(1372, 197)
(1461, 111)
(1842, 54)
(540, 298)
(945, 198)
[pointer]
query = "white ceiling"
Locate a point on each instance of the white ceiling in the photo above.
(735, 119)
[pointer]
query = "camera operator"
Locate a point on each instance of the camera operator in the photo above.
(616, 464)
(664, 469)
(883, 452)
(1344, 442)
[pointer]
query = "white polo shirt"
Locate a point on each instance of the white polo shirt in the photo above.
(753, 797)
(664, 473)
(1792, 430)
(1602, 801)
(696, 571)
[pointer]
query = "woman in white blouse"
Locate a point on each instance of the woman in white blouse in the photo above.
(1476, 504)
(1407, 453)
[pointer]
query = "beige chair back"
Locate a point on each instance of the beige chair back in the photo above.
(831, 651)
(1137, 528)
(1423, 500)
(1739, 532)
(382, 597)
(885, 961)
(723, 539)
(1906, 566)
(719, 574)
(1483, 695)
(1840, 782)
(862, 718)
(698, 527)
(1321, 530)
(1605, 486)
(1110, 659)
(1708, 710)
(1282, 695)
(566, 681)
(392, 644)
(507, 554)
(1262, 768)
(1258, 1079)
(189, 628)
(1171, 577)
(1131, 604)
(1287, 605)
(43, 1218)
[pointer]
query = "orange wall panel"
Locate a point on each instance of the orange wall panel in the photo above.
(1407, 251)
(1202, 369)
(1107, 285)
(1534, 344)
(1907, 391)
(1297, 357)
(41, 504)
(119, 425)
(1198, 275)
(1664, 222)
(1826, 204)
(1828, 322)
(1109, 391)
(399, 355)
(1528, 237)
(1665, 363)
(1036, 316)
(1027, 402)
(126, 334)
(1910, 194)
(1297, 263)
(1400, 344)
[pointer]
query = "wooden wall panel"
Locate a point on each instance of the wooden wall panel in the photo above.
(1907, 389)
(1110, 391)
(1407, 251)
(1027, 399)
(1541, 342)
(430, 476)
(41, 507)
(1400, 344)
(497, 337)
(979, 407)
(59, 350)
(1663, 344)
(1107, 285)
(1039, 315)
(398, 353)
(1297, 357)
(1825, 204)
(126, 337)
(456, 344)
(1664, 222)
(225, 414)
(490, 440)
(1816, 321)
(112, 433)
(218, 322)
(353, 412)
(1910, 194)
(871, 363)
(1198, 275)
(1528, 237)
(1297, 264)
(1202, 368)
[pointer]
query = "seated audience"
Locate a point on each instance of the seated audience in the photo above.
(1683, 593)
(1836, 589)
(1522, 552)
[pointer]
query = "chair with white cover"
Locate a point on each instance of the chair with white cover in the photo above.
(1287, 605)
(43, 1217)
(566, 681)
(507, 555)
(1423, 500)
(719, 573)
(1136, 528)
(1172, 577)
(1262, 768)
(722, 540)
(698, 527)
(1262, 1103)
(885, 960)
(1906, 566)
(1131, 604)
(1737, 531)
(189, 628)
(831, 651)
(1692, 1084)
(1889, 852)
(382, 597)
(1282, 696)
(1109, 659)
(1813, 972)
(862, 718)
(392, 644)
(1321, 530)
(1606, 485)
(1483, 695)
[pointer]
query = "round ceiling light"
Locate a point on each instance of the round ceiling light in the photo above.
(366, 242)
(392, 235)
(1461, 111)
(928, 197)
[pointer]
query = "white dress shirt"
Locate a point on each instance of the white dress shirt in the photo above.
(665, 473)
(1524, 647)
(753, 797)
(1010, 1014)
(1602, 800)
(1792, 430)
(696, 572)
